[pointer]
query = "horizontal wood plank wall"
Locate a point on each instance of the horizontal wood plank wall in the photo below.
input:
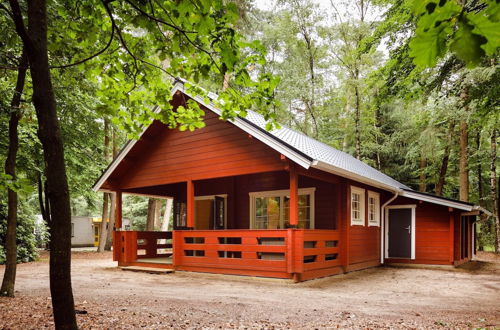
(363, 241)
(218, 150)
(432, 236)
(364, 245)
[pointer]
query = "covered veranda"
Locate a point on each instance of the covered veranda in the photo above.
(304, 244)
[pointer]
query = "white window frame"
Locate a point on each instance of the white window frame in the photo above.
(376, 196)
(362, 208)
(281, 193)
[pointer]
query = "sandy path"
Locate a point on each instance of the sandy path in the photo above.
(379, 297)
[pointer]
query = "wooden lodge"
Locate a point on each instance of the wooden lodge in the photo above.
(275, 204)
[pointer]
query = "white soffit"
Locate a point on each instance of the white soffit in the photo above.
(437, 200)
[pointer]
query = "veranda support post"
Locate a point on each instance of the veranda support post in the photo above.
(294, 197)
(190, 204)
(118, 210)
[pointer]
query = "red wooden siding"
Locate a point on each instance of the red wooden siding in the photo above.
(217, 150)
(433, 242)
(363, 241)
(364, 245)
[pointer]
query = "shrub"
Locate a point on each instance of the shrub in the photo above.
(26, 240)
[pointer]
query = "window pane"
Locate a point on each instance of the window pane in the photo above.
(267, 212)
(304, 203)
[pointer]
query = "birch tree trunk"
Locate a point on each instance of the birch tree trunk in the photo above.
(9, 276)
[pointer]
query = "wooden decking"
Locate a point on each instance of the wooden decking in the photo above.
(166, 261)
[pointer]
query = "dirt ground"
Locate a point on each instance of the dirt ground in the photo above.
(383, 297)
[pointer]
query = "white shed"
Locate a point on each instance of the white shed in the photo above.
(81, 232)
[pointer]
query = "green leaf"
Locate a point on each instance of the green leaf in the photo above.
(427, 46)
(467, 45)
(488, 29)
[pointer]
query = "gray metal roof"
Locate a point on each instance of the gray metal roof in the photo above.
(320, 151)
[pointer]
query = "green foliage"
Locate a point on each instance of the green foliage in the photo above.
(26, 239)
(469, 29)
(146, 44)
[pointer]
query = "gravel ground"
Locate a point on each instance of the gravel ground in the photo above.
(383, 297)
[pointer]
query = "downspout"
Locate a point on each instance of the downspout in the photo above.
(382, 227)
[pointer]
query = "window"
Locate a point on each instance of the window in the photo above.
(271, 209)
(357, 206)
(373, 209)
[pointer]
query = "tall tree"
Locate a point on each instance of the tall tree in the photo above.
(464, 150)
(346, 39)
(34, 38)
(9, 276)
(493, 182)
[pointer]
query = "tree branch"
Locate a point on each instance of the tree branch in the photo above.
(173, 26)
(91, 56)
(17, 17)
(127, 49)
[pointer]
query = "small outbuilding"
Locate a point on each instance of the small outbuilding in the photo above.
(82, 232)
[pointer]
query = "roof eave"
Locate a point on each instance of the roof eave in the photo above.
(349, 175)
(483, 210)
(436, 200)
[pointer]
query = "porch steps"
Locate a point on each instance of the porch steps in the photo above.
(147, 270)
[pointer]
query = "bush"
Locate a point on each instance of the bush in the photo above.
(26, 240)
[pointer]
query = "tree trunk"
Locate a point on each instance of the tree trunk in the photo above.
(482, 217)
(111, 225)
(377, 125)
(104, 222)
(444, 163)
(464, 156)
(166, 216)
(493, 181)
(35, 42)
(479, 170)
(112, 213)
(103, 233)
(157, 223)
(422, 186)
(464, 161)
(442, 171)
(357, 122)
(150, 220)
(9, 276)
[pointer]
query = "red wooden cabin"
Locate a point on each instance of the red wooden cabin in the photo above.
(275, 204)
